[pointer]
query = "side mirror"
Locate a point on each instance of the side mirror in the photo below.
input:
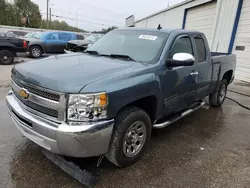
(181, 59)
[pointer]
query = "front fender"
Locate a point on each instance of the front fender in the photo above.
(124, 91)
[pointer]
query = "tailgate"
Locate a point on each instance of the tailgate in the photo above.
(19, 44)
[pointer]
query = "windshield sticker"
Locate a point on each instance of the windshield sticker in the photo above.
(148, 37)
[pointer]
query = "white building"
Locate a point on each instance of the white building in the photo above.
(226, 23)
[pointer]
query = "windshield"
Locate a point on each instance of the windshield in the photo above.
(93, 38)
(38, 35)
(29, 35)
(142, 46)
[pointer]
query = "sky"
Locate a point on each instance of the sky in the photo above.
(97, 14)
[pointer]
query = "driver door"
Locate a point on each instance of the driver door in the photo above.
(179, 83)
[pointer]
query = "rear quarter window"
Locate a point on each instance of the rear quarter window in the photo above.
(201, 50)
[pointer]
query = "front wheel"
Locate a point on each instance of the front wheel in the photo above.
(6, 57)
(217, 98)
(131, 135)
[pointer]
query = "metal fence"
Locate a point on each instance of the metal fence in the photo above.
(5, 28)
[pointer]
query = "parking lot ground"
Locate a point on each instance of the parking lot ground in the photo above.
(209, 148)
(240, 87)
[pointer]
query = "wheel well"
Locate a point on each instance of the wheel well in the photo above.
(228, 76)
(7, 48)
(148, 104)
(37, 46)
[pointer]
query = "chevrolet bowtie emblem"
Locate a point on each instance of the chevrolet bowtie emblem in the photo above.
(23, 93)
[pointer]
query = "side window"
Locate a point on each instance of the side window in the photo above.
(201, 50)
(65, 36)
(53, 36)
(181, 45)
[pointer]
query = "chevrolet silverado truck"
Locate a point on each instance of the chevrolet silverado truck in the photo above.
(105, 102)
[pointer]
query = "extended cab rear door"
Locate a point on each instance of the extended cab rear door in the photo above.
(203, 65)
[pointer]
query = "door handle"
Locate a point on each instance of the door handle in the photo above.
(194, 73)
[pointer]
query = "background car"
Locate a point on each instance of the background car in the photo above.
(49, 42)
(9, 46)
(81, 45)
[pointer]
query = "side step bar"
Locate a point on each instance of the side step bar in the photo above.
(175, 118)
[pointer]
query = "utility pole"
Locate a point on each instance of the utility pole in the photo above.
(50, 20)
(47, 13)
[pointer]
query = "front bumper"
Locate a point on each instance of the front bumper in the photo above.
(84, 140)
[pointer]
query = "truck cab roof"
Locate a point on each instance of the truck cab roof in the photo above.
(177, 31)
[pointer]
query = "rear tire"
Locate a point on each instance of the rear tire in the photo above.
(217, 98)
(131, 135)
(35, 51)
(6, 57)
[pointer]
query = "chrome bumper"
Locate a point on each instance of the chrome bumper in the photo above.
(84, 140)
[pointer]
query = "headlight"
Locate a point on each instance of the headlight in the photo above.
(87, 107)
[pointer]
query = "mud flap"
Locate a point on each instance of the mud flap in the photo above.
(83, 176)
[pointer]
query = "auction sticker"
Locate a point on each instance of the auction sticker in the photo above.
(148, 37)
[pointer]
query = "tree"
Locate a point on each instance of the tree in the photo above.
(104, 31)
(60, 25)
(2, 11)
(30, 10)
(12, 13)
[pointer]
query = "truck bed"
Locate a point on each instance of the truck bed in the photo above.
(223, 62)
(213, 54)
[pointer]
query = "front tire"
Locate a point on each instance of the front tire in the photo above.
(131, 135)
(217, 98)
(6, 57)
(35, 51)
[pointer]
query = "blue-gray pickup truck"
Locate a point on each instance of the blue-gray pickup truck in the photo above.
(106, 100)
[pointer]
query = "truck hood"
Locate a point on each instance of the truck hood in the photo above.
(71, 72)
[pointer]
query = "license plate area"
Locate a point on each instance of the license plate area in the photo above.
(24, 121)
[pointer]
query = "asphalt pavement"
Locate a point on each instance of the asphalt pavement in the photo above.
(208, 148)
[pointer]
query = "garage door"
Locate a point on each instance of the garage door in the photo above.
(201, 18)
(242, 44)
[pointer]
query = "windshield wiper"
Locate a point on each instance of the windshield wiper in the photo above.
(92, 52)
(121, 56)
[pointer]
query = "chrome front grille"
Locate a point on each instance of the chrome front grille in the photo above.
(45, 94)
(37, 107)
(41, 102)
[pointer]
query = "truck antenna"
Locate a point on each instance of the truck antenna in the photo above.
(159, 27)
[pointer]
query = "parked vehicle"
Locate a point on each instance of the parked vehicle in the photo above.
(9, 46)
(106, 101)
(82, 45)
(17, 33)
(49, 42)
